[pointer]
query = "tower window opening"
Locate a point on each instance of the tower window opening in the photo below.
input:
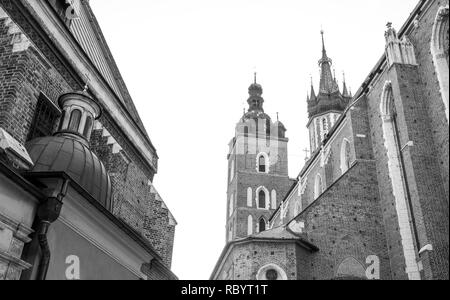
(262, 199)
(262, 164)
(262, 225)
(75, 119)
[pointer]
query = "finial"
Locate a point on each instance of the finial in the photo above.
(323, 39)
(256, 74)
(389, 25)
(343, 76)
(278, 117)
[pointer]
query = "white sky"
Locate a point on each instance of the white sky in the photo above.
(188, 65)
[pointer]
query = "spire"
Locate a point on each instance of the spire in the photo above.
(312, 95)
(345, 92)
(324, 50)
(255, 101)
(327, 84)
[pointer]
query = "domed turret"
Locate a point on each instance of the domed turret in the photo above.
(68, 150)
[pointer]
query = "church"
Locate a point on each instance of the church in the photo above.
(372, 201)
(77, 199)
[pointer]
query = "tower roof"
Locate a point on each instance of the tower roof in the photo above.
(327, 81)
(255, 101)
(329, 97)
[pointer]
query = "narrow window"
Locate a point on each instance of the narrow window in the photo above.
(262, 225)
(87, 127)
(262, 199)
(262, 164)
(75, 118)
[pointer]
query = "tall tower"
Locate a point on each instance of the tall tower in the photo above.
(327, 106)
(257, 169)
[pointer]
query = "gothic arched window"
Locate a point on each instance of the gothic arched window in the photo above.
(75, 119)
(394, 165)
(262, 199)
(440, 52)
(262, 225)
(262, 164)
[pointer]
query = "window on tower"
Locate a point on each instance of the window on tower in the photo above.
(262, 164)
(262, 199)
(262, 225)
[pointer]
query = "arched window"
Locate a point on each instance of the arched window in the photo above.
(262, 199)
(271, 272)
(262, 225)
(318, 187)
(262, 164)
(75, 119)
(250, 225)
(346, 156)
(440, 52)
(87, 128)
(246, 131)
(391, 143)
(249, 197)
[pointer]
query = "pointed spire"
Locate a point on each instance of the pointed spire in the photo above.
(324, 50)
(312, 95)
(327, 82)
(345, 92)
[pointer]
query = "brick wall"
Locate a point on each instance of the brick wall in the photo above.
(245, 260)
(346, 222)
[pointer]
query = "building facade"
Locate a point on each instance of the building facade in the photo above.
(372, 200)
(76, 163)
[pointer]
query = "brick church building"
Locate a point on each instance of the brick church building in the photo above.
(77, 199)
(372, 201)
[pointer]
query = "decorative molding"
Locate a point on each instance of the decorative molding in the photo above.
(399, 51)
(19, 230)
(439, 57)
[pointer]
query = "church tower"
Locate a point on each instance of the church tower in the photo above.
(257, 169)
(327, 106)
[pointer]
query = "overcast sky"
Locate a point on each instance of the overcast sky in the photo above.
(188, 65)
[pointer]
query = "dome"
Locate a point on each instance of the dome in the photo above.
(63, 153)
(255, 90)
